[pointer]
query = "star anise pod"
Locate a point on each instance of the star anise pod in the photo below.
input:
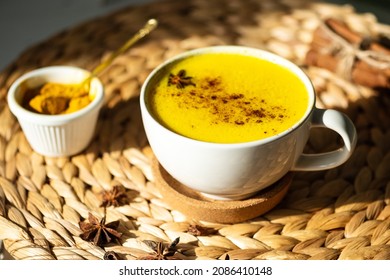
(115, 197)
(161, 251)
(180, 79)
(110, 255)
(99, 232)
(197, 230)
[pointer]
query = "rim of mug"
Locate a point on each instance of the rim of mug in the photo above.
(240, 50)
(20, 112)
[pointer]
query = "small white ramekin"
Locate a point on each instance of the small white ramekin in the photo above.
(56, 135)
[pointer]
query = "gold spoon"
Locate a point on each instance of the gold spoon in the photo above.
(148, 27)
(57, 104)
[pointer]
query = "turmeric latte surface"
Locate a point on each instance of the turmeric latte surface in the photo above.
(227, 98)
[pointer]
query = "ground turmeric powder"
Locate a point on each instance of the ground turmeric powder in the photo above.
(55, 98)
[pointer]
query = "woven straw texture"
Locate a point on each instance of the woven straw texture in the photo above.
(343, 213)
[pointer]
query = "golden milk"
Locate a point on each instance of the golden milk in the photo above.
(227, 98)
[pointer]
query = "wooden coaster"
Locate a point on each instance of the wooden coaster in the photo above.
(194, 205)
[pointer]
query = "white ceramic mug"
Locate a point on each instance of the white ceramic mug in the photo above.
(238, 171)
(56, 135)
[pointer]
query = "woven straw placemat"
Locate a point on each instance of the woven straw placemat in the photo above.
(343, 213)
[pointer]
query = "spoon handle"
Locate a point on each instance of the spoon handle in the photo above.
(148, 27)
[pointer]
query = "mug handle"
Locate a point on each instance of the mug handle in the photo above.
(341, 124)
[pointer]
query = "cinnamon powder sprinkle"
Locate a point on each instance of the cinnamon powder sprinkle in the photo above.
(234, 108)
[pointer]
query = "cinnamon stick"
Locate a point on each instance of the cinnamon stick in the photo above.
(334, 40)
(361, 74)
(349, 35)
(343, 30)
